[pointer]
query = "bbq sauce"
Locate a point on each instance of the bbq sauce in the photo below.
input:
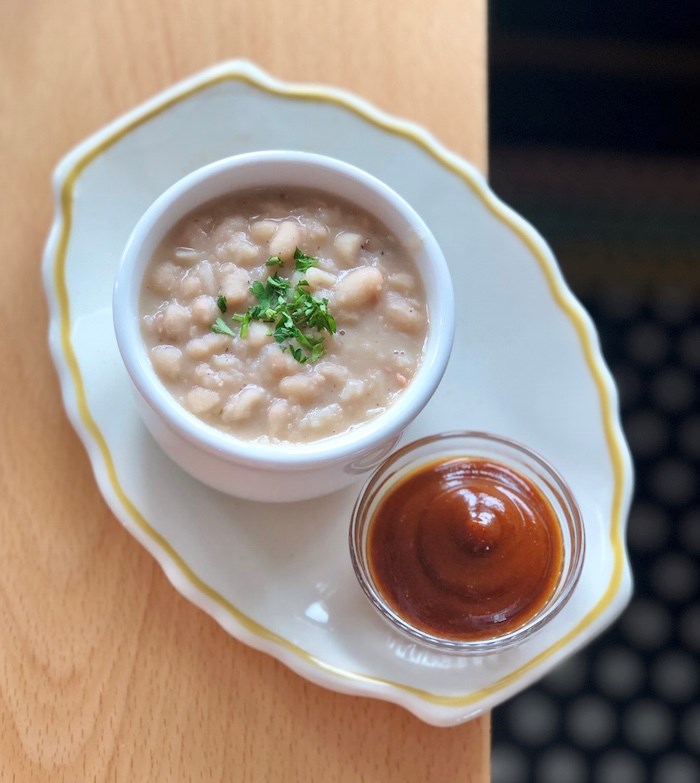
(465, 549)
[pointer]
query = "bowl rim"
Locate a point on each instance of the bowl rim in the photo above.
(361, 439)
(370, 495)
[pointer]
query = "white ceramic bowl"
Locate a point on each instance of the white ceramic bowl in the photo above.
(293, 471)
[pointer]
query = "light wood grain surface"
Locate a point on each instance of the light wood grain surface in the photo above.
(106, 673)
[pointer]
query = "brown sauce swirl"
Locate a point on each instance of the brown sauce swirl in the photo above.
(465, 549)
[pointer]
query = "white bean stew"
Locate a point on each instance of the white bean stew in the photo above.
(283, 315)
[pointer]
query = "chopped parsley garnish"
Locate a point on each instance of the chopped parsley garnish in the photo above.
(220, 327)
(303, 262)
(274, 261)
(299, 319)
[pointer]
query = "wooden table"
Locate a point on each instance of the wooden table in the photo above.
(106, 673)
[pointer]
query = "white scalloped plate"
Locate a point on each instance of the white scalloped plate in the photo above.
(526, 364)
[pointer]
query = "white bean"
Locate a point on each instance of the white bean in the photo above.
(327, 265)
(190, 285)
(317, 279)
(285, 240)
(244, 404)
(167, 360)
(403, 282)
(347, 246)
(234, 286)
(165, 278)
(200, 400)
(176, 321)
(238, 250)
(258, 335)
(304, 387)
(233, 380)
(402, 313)
(206, 275)
(204, 310)
(278, 417)
(358, 289)
(186, 255)
(208, 377)
(262, 230)
(335, 374)
(206, 345)
(315, 232)
(274, 363)
(353, 390)
(227, 362)
(319, 420)
(227, 227)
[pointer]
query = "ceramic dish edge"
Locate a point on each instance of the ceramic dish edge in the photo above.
(176, 570)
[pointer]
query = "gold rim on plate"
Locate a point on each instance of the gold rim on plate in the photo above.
(243, 73)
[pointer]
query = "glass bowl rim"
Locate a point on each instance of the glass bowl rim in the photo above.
(567, 581)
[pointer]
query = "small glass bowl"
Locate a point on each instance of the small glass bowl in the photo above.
(475, 445)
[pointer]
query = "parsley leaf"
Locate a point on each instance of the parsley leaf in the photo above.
(243, 319)
(221, 303)
(220, 327)
(303, 262)
(274, 261)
